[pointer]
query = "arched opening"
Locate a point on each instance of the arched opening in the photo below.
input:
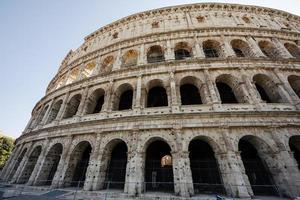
(107, 64)
(73, 76)
(95, 102)
(78, 163)
(267, 89)
(130, 58)
(41, 115)
(190, 95)
(155, 54)
(157, 96)
(269, 49)
(241, 48)
(205, 169)
(295, 83)
(72, 106)
(50, 165)
(116, 170)
(123, 97)
(257, 171)
(212, 49)
(158, 169)
(30, 165)
(59, 83)
(293, 49)
(294, 143)
(54, 111)
(226, 93)
(88, 69)
(182, 51)
(17, 164)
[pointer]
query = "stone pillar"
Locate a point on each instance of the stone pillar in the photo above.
(254, 47)
(80, 73)
(62, 108)
(169, 55)
(82, 102)
(227, 48)
(287, 87)
(235, 180)
(97, 68)
(142, 60)
(44, 120)
(63, 164)
(198, 49)
(137, 105)
(281, 48)
(10, 163)
(107, 105)
(39, 164)
(93, 166)
(212, 90)
(174, 102)
(118, 61)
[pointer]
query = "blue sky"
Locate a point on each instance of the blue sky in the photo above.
(35, 35)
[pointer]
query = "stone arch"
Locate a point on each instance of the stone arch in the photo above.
(50, 165)
(182, 51)
(30, 164)
(60, 82)
(73, 76)
(257, 159)
(294, 144)
(229, 89)
(54, 111)
(88, 69)
(267, 88)
(293, 49)
(191, 91)
(107, 63)
(130, 58)
(155, 54)
(212, 49)
(41, 115)
(157, 95)
(269, 49)
(17, 164)
(123, 97)
(294, 81)
(72, 106)
(241, 48)
(77, 166)
(114, 164)
(158, 177)
(204, 166)
(95, 101)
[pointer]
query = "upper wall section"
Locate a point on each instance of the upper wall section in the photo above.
(173, 19)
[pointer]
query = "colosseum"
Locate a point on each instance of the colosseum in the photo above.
(183, 100)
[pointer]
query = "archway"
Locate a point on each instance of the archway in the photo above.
(155, 54)
(256, 169)
(17, 164)
(205, 169)
(50, 165)
(123, 97)
(158, 169)
(226, 93)
(295, 83)
(77, 166)
(293, 49)
(116, 169)
(129, 58)
(54, 111)
(95, 102)
(30, 165)
(190, 95)
(241, 48)
(157, 96)
(295, 148)
(269, 49)
(212, 49)
(182, 51)
(72, 106)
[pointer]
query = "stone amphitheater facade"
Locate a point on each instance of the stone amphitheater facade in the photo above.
(190, 99)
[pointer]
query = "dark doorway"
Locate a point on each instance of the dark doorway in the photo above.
(295, 148)
(256, 170)
(226, 93)
(99, 104)
(181, 54)
(157, 96)
(125, 102)
(263, 95)
(115, 177)
(238, 52)
(158, 170)
(205, 170)
(190, 95)
(72, 106)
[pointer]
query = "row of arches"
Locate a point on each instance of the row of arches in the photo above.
(183, 50)
(158, 165)
(191, 90)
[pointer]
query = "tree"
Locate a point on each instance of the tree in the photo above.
(6, 146)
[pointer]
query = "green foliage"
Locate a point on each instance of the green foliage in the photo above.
(6, 146)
